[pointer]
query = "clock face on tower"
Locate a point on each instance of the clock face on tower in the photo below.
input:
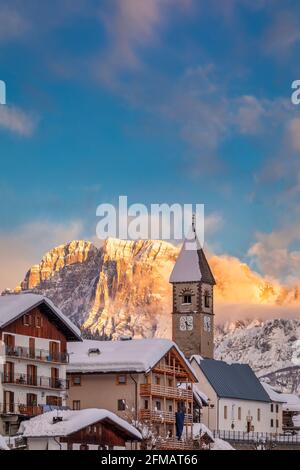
(186, 323)
(207, 323)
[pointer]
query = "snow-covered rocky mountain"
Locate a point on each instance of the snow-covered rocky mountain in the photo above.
(123, 288)
(271, 348)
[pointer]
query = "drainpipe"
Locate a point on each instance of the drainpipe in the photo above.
(218, 406)
(135, 405)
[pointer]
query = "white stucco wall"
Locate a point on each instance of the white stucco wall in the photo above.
(20, 367)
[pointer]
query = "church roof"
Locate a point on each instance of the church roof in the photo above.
(191, 264)
(236, 381)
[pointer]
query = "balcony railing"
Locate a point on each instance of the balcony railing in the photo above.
(172, 443)
(147, 390)
(170, 370)
(34, 381)
(36, 354)
(163, 417)
(257, 437)
(19, 409)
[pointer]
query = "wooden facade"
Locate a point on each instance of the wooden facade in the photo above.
(104, 434)
(36, 324)
(171, 382)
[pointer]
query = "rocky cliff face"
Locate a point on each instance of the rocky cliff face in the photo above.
(119, 289)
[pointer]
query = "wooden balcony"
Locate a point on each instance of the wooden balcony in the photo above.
(39, 355)
(19, 409)
(170, 370)
(24, 380)
(147, 390)
(163, 417)
(172, 443)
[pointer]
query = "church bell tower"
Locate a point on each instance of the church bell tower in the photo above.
(193, 303)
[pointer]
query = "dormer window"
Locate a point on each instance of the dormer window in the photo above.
(187, 299)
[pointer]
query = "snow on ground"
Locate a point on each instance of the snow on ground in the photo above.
(3, 445)
(72, 421)
(219, 444)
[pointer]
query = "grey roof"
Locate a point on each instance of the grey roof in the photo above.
(13, 306)
(233, 380)
(191, 264)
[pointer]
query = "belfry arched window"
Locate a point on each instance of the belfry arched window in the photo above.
(186, 296)
(206, 299)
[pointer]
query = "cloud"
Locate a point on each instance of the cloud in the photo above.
(131, 26)
(293, 134)
(232, 312)
(12, 24)
(273, 254)
(16, 121)
(283, 33)
(25, 246)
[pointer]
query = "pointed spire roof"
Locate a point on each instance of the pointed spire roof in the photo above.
(191, 264)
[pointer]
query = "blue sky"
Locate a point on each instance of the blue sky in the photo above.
(161, 100)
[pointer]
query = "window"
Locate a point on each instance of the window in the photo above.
(225, 412)
(258, 414)
(277, 408)
(157, 380)
(53, 401)
(239, 413)
(206, 300)
(26, 320)
(272, 407)
(158, 405)
(92, 429)
(84, 447)
(272, 423)
(76, 405)
(146, 405)
(170, 382)
(121, 405)
(38, 321)
(187, 299)
(277, 423)
(76, 380)
(121, 379)
(170, 408)
(31, 399)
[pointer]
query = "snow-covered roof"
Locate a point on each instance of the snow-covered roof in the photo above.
(199, 396)
(13, 306)
(275, 396)
(3, 444)
(199, 429)
(191, 264)
(135, 355)
(291, 402)
(72, 421)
